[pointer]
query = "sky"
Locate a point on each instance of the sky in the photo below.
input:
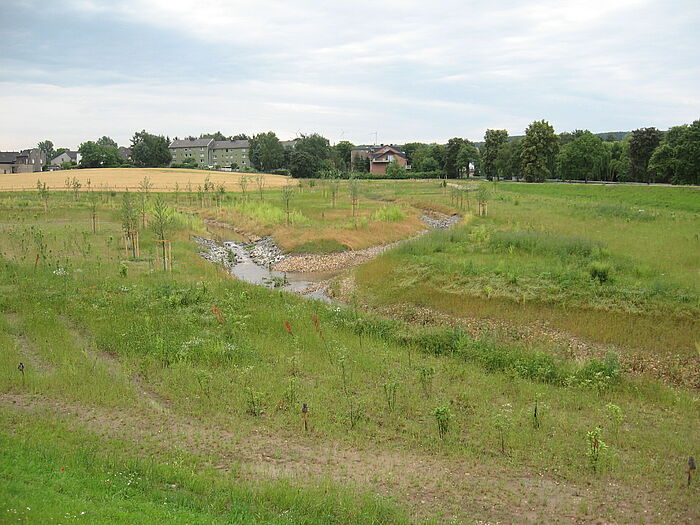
(391, 71)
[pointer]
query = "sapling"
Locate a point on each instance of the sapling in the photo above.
(144, 187)
(93, 199)
(287, 194)
(260, 181)
(243, 183)
(443, 415)
(615, 416)
(425, 377)
(75, 184)
(333, 187)
(354, 190)
(43, 193)
(162, 221)
(503, 421)
(597, 450)
(390, 389)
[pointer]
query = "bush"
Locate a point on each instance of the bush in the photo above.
(391, 213)
(599, 271)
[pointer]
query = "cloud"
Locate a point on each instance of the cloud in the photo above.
(410, 70)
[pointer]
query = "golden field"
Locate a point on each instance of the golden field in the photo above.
(120, 179)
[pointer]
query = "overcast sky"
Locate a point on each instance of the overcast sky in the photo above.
(74, 70)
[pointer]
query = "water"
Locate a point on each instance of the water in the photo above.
(249, 271)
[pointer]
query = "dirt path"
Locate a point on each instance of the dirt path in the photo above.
(427, 485)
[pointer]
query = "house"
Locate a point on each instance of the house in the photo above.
(25, 161)
(210, 153)
(379, 156)
(124, 153)
(66, 156)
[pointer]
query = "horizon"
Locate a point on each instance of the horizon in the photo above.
(80, 69)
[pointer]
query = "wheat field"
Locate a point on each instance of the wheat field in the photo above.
(120, 179)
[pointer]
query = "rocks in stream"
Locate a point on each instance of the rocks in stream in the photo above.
(265, 252)
(215, 252)
(440, 221)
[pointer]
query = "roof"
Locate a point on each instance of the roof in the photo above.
(186, 143)
(231, 144)
(387, 149)
(7, 157)
(289, 143)
(73, 155)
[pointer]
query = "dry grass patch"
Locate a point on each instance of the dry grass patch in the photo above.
(120, 179)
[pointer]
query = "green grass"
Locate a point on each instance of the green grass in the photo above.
(321, 246)
(562, 253)
(54, 474)
(93, 339)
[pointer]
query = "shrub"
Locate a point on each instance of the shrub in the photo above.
(599, 271)
(391, 213)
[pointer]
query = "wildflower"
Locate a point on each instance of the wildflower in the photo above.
(63, 468)
(288, 326)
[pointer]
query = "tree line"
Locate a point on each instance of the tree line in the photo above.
(643, 155)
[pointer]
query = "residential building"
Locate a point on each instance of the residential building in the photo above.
(124, 153)
(210, 153)
(66, 156)
(379, 156)
(26, 161)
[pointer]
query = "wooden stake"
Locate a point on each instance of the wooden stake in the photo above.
(305, 416)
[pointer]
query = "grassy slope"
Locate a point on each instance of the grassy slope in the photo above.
(129, 357)
(534, 274)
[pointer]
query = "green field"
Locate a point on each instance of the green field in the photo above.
(152, 396)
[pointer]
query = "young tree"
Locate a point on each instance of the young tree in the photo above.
(43, 190)
(538, 151)
(145, 187)
(642, 143)
(129, 219)
(333, 187)
(93, 199)
(260, 181)
(161, 221)
(243, 183)
(494, 141)
(287, 194)
(354, 191)
(150, 151)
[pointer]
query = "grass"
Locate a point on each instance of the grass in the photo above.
(111, 361)
(550, 255)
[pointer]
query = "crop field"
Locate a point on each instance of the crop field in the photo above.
(123, 179)
(156, 396)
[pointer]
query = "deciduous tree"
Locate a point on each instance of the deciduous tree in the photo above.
(494, 141)
(538, 151)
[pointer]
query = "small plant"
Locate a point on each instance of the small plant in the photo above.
(597, 450)
(243, 183)
(425, 377)
(503, 421)
(123, 269)
(254, 402)
(390, 389)
(599, 272)
(443, 415)
(615, 416)
(287, 194)
(290, 393)
(43, 190)
(260, 180)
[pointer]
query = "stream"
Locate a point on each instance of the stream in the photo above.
(252, 262)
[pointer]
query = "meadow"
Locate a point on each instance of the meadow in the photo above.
(614, 266)
(149, 395)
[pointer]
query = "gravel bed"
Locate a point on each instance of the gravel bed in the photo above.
(215, 252)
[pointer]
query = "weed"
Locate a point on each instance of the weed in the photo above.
(425, 377)
(443, 415)
(597, 451)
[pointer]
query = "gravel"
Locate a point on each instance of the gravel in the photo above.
(440, 221)
(265, 252)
